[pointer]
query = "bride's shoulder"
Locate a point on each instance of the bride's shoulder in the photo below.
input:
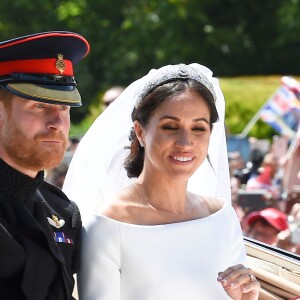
(211, 204)
(118, 207)
(114, 209)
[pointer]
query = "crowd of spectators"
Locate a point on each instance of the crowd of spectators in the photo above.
(266, 195)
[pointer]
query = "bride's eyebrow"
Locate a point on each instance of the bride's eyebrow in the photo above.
(201, 119)
(177, 119)
(169, 117)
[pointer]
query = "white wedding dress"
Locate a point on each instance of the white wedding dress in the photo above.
(178, 261)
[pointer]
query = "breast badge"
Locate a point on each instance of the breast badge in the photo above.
(54, 221)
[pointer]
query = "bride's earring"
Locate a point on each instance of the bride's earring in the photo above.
(142, 144)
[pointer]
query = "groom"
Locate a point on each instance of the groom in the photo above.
(39, 226)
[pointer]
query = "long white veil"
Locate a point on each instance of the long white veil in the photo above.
(96, 170)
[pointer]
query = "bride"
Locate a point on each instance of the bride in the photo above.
(164, 227)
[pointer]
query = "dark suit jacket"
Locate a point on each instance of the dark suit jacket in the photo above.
(38, 257)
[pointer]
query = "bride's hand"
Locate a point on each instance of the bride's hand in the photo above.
(239, 283)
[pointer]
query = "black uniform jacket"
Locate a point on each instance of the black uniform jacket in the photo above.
(39, 238)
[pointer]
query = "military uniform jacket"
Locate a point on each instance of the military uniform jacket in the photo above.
(39, 238)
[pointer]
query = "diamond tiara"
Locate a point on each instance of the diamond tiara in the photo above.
(180, 71)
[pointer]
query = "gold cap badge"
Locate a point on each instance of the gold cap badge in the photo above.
(60, 63)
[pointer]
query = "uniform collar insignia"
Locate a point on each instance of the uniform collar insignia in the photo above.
(54, 221)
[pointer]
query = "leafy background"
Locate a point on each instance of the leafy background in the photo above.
(248, 44)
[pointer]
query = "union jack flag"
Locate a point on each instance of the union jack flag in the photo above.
(278, 112)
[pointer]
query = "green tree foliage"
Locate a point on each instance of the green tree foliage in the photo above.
(130, 37)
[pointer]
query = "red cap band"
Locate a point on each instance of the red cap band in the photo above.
(35, 66)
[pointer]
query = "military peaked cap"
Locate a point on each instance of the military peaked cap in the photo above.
(40, 66)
